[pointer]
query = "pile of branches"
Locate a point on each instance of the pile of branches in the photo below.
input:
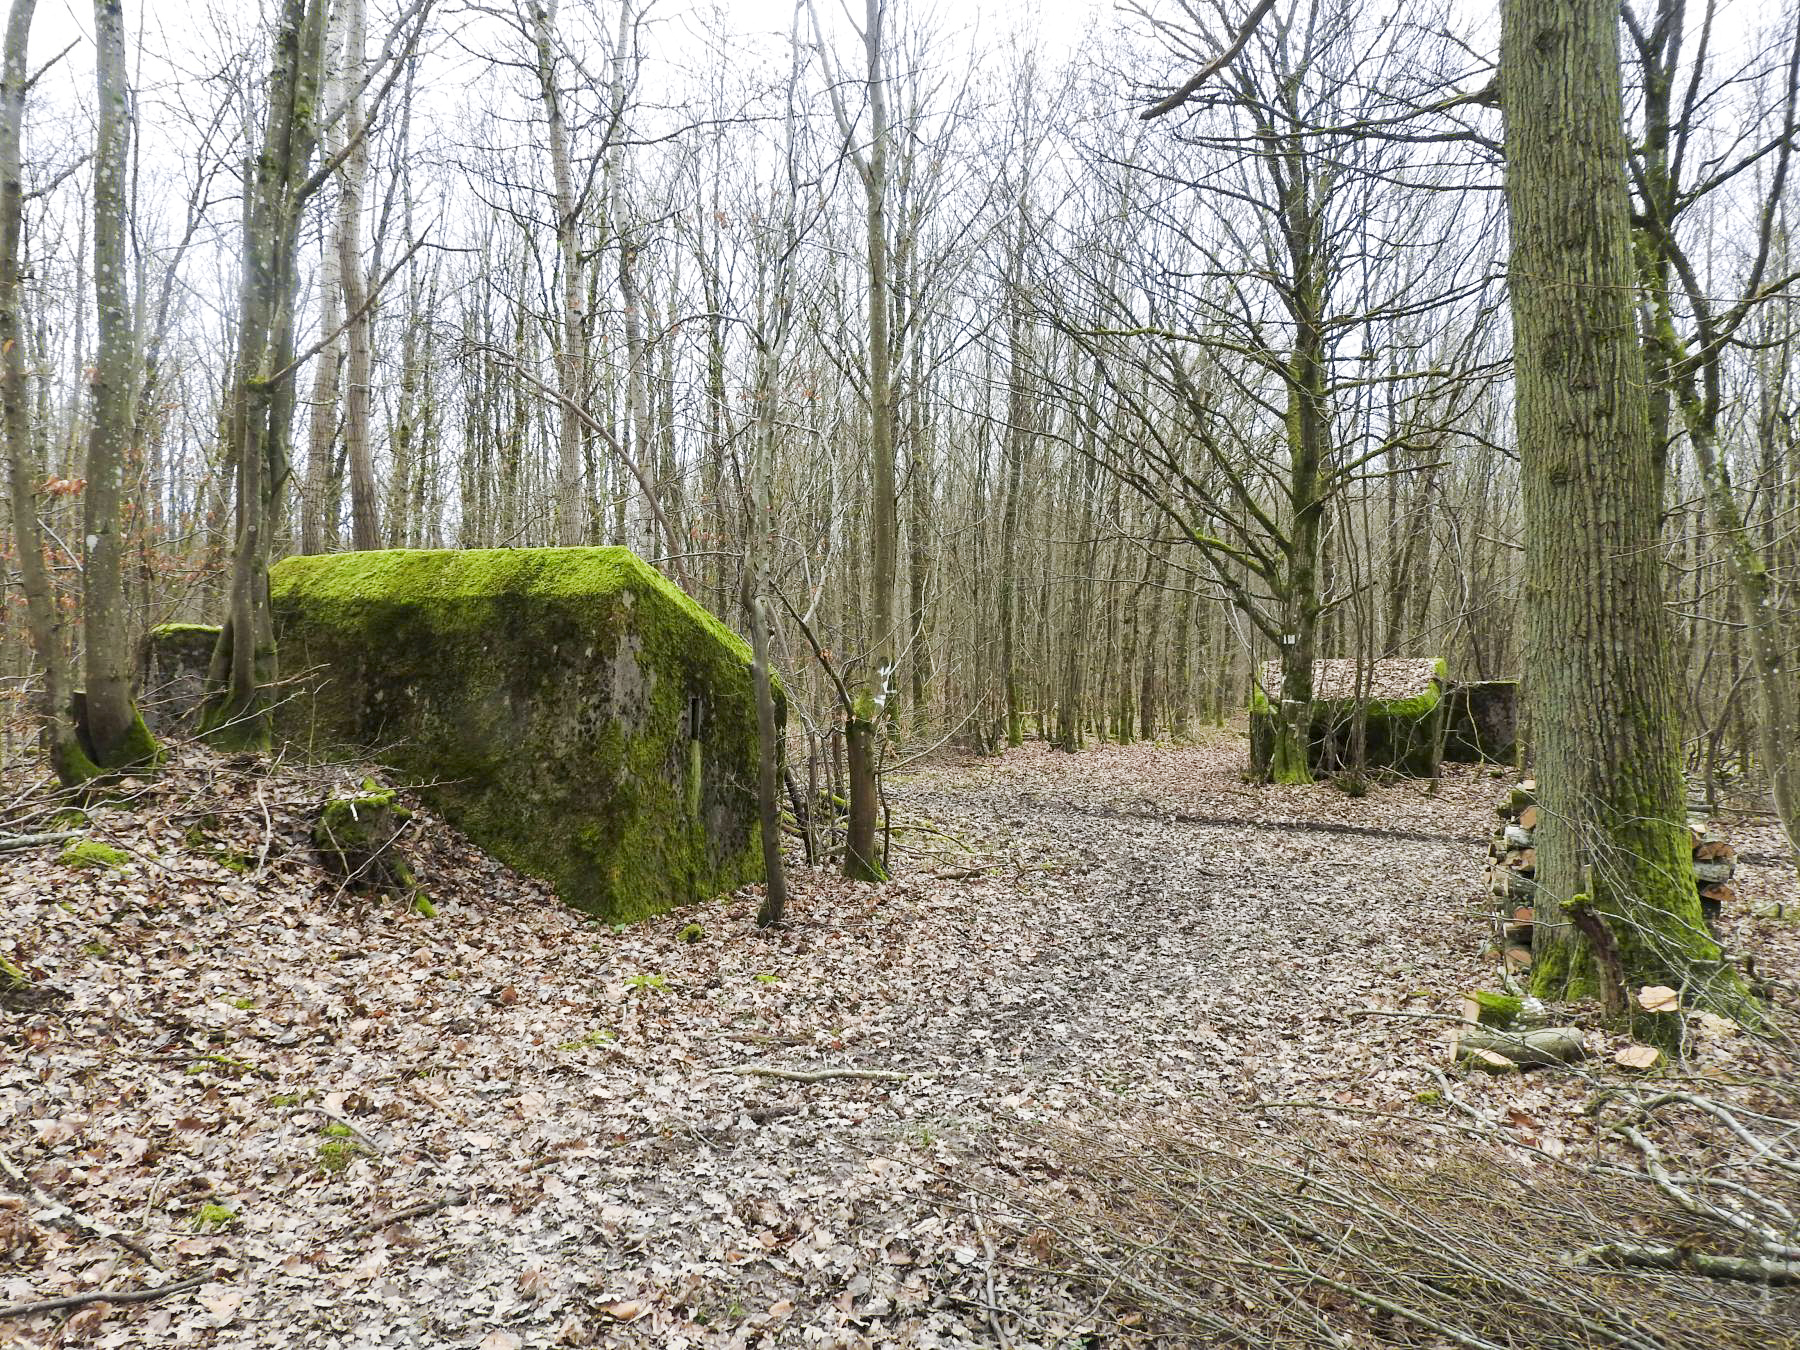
(1317, 1235)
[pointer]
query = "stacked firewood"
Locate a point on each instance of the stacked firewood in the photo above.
(1512, 869)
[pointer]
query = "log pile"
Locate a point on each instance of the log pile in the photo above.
(1512, 869)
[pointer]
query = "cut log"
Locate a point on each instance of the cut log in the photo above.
(1719, 893)
(1514, 886)
(1711, 873)
(1525, 860)
(1544, 1047)
(1528, 818)
(1518, 837)
(1715, 850)
(1638, 1058)
(1518, 958)
(1485, 1060)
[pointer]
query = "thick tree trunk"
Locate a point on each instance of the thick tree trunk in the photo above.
(1601, 678)
(244, 664)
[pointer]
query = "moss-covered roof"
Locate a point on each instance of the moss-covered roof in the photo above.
(1335, 677)
(453, 574)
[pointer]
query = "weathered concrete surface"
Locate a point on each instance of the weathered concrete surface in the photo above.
(571, 710)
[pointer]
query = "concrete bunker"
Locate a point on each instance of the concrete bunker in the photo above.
(1405, 714)
(570, 710)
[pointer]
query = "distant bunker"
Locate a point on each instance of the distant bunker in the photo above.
(570, 710)
(1405, 714)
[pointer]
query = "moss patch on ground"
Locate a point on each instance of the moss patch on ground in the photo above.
(91, 853)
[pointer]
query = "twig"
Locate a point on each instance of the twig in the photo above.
(418, 1211)
(993, 1301)
(817, 1075)
(71, 1215)
(103, 1296)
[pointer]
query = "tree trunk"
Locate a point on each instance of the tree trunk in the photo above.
(353, 177)
(243, 666)
(115, 733)
(571, 364)
(862, 736)
(319, 496)
(43, 618)
(1602, 687)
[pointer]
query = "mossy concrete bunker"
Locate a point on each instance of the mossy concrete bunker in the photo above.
(569, 709)
(1404, 714)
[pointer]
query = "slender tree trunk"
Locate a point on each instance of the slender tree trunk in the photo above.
(571, 365)
(1613, 827)
(872, 705)
(115, 732)
(319, 496)
(43, 618)
(353, 178)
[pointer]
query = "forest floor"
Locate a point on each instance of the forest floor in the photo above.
(348, 1124)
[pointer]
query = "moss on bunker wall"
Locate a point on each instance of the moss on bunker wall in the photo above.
(546, 699)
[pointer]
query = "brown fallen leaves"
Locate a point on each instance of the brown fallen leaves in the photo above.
(560, 1108)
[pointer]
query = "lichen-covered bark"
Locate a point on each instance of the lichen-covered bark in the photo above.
(1600, 675)
(548, 701)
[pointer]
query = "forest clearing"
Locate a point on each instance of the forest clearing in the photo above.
(502, 1126)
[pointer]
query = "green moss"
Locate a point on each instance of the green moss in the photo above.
(592, 1040)
(1495, 1010)
(211, 1218)
(337, 1154)
(356, 839)
(540, 697)
(421, 904)
(91, 853)
(137, 749)
(165, 631)
(693, 932)
(338, 1130)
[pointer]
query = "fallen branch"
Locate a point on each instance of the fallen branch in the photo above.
(817, 1075)
(103, 1296)
(12, 843)
(67, 1213)
(1754, 1269)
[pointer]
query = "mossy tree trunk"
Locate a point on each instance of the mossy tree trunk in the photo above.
(1690, 373)
(243, 665)
(1598, 651)
(115, 733)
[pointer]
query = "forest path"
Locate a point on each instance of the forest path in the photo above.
(1181, 935)
(571, 1113)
